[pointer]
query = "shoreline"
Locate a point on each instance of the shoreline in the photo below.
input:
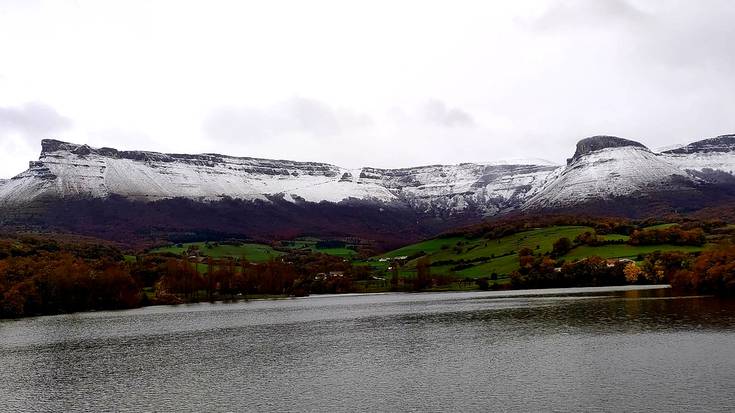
(499, 294)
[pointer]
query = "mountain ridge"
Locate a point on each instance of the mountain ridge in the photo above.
(67, 170)
(95, 190)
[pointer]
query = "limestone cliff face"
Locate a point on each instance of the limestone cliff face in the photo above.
(602, 168)
(71, 171)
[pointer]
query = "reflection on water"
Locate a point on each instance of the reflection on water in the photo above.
(579, 350)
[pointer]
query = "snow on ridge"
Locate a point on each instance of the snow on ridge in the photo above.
(722, 143)
(606, 174)
(66, 170)
(718, 161)
(603, 168)
(662, 149)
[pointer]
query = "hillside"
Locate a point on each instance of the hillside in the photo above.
(468, 256)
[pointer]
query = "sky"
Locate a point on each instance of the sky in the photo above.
(363, 83)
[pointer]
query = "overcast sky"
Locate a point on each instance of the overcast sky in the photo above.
(368, 83)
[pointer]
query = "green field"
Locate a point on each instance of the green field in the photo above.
(613, 237)
(540, 240)
(253, 252)
(459, 256)
(257, 252)
(500, 256)
(310, 244)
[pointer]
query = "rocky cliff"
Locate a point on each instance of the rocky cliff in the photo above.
(105, 191)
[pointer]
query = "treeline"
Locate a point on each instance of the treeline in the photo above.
(424, 279)
(547, 272)
(551, 270)
(711, 271)
(502, 227)
(43, 276)
(53, 282)
(675, 235)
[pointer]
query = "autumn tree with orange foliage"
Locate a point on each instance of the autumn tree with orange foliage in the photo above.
(59, 282)
(712, 272)
(632, 272)
(673, 235)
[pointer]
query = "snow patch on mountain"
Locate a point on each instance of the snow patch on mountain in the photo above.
(718, 161)
(716, 153)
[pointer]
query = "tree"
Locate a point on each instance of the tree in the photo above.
(423, 274)
(561, 246)
(712, 272)
(632, 272)
(210, 276)
(525, 260)
(394, 276)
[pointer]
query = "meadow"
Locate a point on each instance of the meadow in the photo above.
(457, 256)
(251, 251)
(497, 258)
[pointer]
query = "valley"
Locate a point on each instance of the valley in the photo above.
(138, 228)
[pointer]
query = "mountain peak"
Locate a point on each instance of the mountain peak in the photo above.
(595, 143)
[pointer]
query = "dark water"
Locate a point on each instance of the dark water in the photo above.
(596, 350)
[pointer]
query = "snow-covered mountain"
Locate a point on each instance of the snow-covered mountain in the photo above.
(70, 171)
(606, 168)
(716, 154)
(132, 194)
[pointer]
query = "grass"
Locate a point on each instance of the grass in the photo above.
(500, 256)
(491, 256)
(614, 237)
(310, 244)
(253, 252)
(625, 251)
(429, 247)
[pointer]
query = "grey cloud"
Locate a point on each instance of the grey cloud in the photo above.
(33, 121)
(573, 14)
(297, 115)
(677, 34)
(437, 112)
(692, 34)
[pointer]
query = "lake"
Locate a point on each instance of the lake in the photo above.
(586, 349)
